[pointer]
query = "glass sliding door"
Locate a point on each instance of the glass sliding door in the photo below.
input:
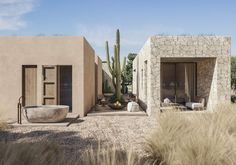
(190, 76)
(65, 86)
(177, 81)
(168, 81)
(180, 83)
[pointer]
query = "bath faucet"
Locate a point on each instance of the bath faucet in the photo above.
(19, 109)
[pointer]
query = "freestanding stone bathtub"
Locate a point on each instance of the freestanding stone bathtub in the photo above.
(46, 113)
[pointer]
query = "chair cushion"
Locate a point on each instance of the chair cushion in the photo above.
(194, 105)
(166, 100)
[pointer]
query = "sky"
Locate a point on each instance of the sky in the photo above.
(98, 20)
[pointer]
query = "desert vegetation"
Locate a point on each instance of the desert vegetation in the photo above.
(115, 68)
(50, 154)
(129, 68)
(3, 125)
(178, 138)
(199, 138)
(31, 153)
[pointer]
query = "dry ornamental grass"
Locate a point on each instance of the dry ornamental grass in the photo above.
(194, 138)
(178, 139)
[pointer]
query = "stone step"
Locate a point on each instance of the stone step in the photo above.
(25, 123)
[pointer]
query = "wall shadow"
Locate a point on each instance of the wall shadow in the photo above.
(68, 142)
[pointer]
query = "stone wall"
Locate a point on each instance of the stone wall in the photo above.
(135, 77)
(207, 81)
(140, 81)
(212, 54)
(190, 46)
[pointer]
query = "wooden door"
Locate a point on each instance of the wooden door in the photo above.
(49, 85)
(29, 85)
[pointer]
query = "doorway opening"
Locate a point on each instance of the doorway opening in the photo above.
(57, 85)
(178, 81)
(65, 86)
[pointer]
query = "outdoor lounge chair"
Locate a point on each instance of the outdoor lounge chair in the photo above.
(198, 104)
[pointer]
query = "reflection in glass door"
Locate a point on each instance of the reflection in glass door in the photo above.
(65, 86)
(168, 81)
(177, 82)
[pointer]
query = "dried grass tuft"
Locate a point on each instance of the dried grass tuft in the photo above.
(180, 139)
(194, 138)
(110, 156)
(3, 125)
(30, 153)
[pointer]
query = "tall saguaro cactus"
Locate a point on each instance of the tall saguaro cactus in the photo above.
(114, 67)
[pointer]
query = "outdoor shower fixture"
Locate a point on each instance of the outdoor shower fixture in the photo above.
(19, 110)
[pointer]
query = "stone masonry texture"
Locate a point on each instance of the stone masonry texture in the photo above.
(211, 54)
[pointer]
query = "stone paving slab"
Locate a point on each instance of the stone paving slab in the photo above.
(116, 113)
(25, 123)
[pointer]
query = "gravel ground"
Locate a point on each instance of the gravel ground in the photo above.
(121, 131)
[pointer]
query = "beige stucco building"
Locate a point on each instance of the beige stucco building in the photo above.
(107, 79)
(182, 68)
(48, 70)
(98, 77)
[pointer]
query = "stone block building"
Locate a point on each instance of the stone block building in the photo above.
(182, 68)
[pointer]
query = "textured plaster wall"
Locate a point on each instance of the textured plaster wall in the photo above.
(98, 70)
(89, 78)
(141, 70)
(107, 77)
(16, 51)
(189, 47)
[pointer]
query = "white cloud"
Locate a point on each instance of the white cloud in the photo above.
(12, 12)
